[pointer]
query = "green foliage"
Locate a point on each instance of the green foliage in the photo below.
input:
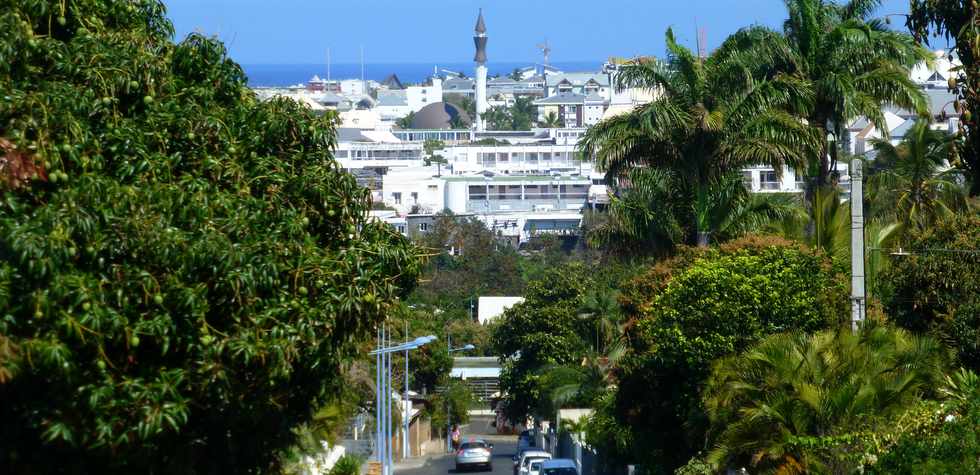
(803, 403)
(184, 267)
(649, 218)
(406, 122)
(946, 440)
(852, 63)
(715, 116)
(542, 331)
(519, 116)
(937, 287)
(468, 261)
(347, 465)
(457, 398)
(552, 121)
(610, 438)
(911, 184)
(704, 305)
(958, 20)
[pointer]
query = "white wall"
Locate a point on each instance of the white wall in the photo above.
(593, 114)
(430, 190)
(352, 87)
(421, 96)
(493, 307)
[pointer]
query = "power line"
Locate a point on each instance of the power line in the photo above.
(903, 251)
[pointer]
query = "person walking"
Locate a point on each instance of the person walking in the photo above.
(456, 436)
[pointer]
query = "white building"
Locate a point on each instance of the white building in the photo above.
(418, 97)
(492, 307)
(416, 189)
(522, 159)
(579, 83)
(392, 104)
(572, 109)
(353, 87)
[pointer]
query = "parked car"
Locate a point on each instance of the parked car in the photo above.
(535, 467)
(520, 451)
(474, 453)
(524, 465)
(559, 467)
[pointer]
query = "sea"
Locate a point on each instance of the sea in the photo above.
(281, 75)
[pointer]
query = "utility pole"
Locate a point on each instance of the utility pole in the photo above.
(857, 245)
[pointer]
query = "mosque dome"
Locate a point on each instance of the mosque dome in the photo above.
(439, 115)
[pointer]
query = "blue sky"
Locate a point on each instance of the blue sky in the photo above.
(427, 31)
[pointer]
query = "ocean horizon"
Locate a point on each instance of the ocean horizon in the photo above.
(281, 75)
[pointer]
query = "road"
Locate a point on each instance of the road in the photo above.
(503, 449)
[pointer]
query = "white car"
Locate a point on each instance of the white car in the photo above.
(535, 467)
(475, 453)
(524, 465)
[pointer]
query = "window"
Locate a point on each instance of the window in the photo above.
(560, 471)
(478, 192)
(397, 197)
(768, 180)
(433, 187)
(424, 227)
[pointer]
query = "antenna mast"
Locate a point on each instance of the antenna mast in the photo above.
(545, 50)
(702, 43)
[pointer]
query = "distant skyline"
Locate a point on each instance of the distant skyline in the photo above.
(433, 31)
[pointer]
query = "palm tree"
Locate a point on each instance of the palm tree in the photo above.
(853, 64)
(913, 184)
(586, 382)
(795, 402)
(551, 121)
(654, 213)
(713, 117)
(406, 122)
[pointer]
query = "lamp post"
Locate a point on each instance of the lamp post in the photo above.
(383, 414)
(449, 423)
(405, 422)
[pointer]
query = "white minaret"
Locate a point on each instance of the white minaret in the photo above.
(480, 40)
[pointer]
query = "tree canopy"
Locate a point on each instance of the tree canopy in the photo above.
(704, 305)
(182, 267)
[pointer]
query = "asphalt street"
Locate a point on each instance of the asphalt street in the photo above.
(479, 427)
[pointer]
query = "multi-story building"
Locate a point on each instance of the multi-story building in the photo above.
(572, 109)
(524, 159)
(491, 194)
(584, 84)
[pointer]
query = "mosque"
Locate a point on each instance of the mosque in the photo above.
(442, 115)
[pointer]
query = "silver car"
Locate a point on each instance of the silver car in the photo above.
(475, 453)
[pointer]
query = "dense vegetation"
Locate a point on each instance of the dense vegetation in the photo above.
(187, 278)
(735, 356)
(182, 267)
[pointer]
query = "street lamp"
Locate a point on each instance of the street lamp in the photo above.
(383, 397)
(450, 350)
(422, 340)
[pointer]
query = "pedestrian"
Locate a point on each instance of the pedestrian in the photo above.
(455, 437)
